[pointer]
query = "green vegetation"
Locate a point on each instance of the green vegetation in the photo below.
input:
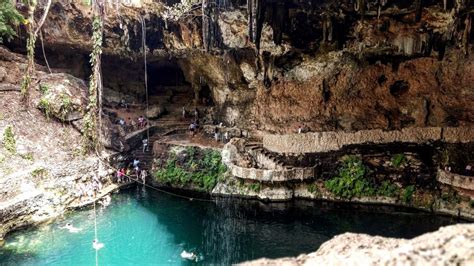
(314, 189)
(9, 142)
(388, 189)
(451, 196)
(90, 119)
(45, 106)
(255, 187)
(43, 88)
(9, 18)
(407, 194)
(398, 160)
(30, 51)
(351, 181)
(471, 203)
(201, 168)
(39, 172)
(28, 156)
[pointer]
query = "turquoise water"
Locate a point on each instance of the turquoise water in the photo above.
(144, 227)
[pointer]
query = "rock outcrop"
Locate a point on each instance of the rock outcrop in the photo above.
(451, 245)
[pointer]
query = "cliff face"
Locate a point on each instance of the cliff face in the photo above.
(452, 245)
(271, 65)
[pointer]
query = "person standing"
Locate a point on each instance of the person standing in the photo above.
(145, 145)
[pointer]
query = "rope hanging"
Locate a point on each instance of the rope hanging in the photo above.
(146, 71)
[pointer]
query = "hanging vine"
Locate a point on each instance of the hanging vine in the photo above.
(30, 50)
(32, 30)
(91, 118)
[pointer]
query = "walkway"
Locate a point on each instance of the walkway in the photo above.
(332, 140)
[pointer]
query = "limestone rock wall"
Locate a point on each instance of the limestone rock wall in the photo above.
(327, 64)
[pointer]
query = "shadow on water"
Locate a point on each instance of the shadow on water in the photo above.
(234, 230)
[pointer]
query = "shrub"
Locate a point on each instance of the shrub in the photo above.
(39, 172)
(407, 195)
(387, 189)
(9, 17)
(43, 88)
(351, 180)
(9, 142)
(398, 160)
(255, 187)
(45, 106)
(203, 173)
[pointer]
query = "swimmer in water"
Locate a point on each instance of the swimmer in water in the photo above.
(188, 255)
(97, 245)
(71, 228)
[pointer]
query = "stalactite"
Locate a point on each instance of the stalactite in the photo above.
(362, 7)
(330, 29)
(268, 62)
(466, 34)
(250, 19)
(259, 21)
(256, 16)
(419, 10)
(379, 9)
(206, 25)
(325, 29)
(279, 16)
(445, 4)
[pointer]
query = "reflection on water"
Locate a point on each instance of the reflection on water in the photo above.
(145, 227)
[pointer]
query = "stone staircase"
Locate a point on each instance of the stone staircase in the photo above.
(264, 158)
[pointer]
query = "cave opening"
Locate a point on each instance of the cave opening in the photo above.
(205, 95)
(399, 88)
(165, 77)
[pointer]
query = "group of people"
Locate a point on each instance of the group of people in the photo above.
(468, 170)
(218, 136)
(124, 175)
(131, 125)
(194, 126)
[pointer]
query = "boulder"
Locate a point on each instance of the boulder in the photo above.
(155, 111)
(451, 245)
(62, 96)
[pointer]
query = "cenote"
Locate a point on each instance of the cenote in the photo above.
(144, 227)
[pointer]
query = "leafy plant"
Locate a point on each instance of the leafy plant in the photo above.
(9, 141)
(28, 156)
(202, 169)
(39, 172)
(313, 189)
(43, 88)
(398, 160)
(255, 187)
(9, 18)
(407, 194)
(351, 180)
(90, 119)
(388, 189)
(451, 196)
(45, 106)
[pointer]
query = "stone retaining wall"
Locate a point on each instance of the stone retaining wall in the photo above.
(455, 180)
(331, 140)
(264, 175)
(229, 155)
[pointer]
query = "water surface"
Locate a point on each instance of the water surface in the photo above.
(145, 227)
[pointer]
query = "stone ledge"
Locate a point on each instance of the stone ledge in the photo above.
(455, 180)
(332, 141)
